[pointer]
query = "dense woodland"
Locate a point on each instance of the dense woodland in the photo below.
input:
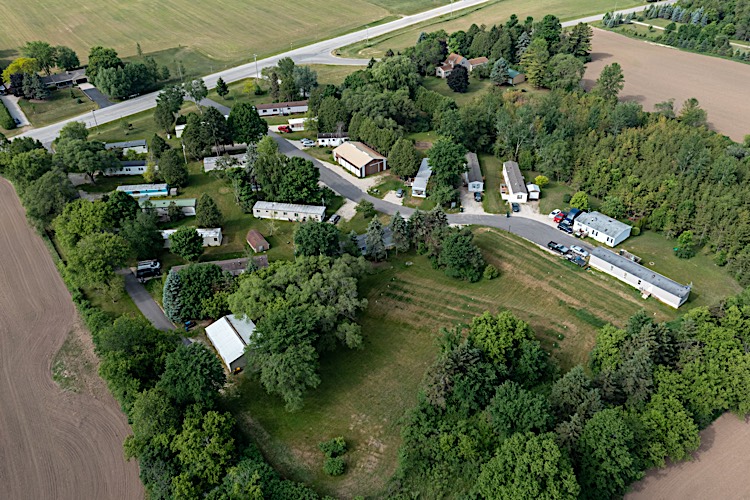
(496, 420)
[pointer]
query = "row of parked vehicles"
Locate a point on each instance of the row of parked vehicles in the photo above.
(564, 220)
(574, 254)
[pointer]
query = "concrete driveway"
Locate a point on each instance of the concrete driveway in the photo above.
(11, 102)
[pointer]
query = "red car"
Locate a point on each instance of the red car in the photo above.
(284, 129)
(559, 217)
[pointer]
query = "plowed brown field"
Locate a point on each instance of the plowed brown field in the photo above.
(53, 443)
(655, 73)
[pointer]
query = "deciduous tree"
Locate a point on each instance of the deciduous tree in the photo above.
(43, 52)
(317, 238)
(610, 82)
(448, 161)
(66, 58)
(458, 80)
(460, 257)
(187, 243)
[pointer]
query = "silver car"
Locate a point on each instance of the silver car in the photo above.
(579, 251)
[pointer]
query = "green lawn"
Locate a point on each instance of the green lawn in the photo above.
(58, 107)
(364, 394)
(492, 168)
(388, 183)
(552, 196)
(440, 85)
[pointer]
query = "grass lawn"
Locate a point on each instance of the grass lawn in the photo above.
(364, 394)
(321, 153)
(389, 183)
(552, 196)
(492, 168)
(494, 12)
(59, 106)
(440, 85)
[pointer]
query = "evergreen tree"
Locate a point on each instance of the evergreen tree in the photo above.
(375, 240)
(401, 234)
(172, 168)
(222, 88)
(171, 297)
(609, 84)
(403, 159)
(522, 44)
(207, 213)
(500, 75)
(534, 61)
(458, 80)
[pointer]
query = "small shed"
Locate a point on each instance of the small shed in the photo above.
(535, 192)
(256, 241)
(473, 175)
(230, 336)
(515, 77)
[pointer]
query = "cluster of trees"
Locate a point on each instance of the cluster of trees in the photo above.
(288, 81)
(301, 309)
(22, 73)
(495, 419)
(118, 79)
(197, 291)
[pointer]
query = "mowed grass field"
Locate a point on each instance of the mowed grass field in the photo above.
(227, 30)
(364, 394)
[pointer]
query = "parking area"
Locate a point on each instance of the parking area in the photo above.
(95, 95)
(469, 204)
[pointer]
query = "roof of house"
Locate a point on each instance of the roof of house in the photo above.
(255, 239)
(183, 202)
(387, 240)
(514, 177)
(478, 60)
(600, 222)
(513, 73)
(213, 232)
(296, 121)
(275, 105)
(129, 188)
(473, 170)
(125, 144)
(641, 272)
(446, 67)
(334, 135)
(232, 266)
(230, 335)
(133, 163)
(67, 76)
(289, 207)
(455, 59)
(357, 153)
(209, 162)
(423, 176)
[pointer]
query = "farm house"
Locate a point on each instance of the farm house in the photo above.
(230, 336)
(288, 211)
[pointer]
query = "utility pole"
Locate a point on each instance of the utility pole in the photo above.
(183, 152)
(94, 116)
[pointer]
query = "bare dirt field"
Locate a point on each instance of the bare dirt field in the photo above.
(718, 469)
(655, 73)
(53, 443)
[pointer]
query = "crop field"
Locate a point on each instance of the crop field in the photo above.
(364, 394)
(230, 30)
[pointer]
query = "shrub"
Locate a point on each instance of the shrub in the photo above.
(6, 121)
(635, 231)
(333, 447)
(566, 198)
(491, 272)
(334, 466)
(541, 180)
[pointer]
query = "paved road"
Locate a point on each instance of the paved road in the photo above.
(15, 110)
(317, 53)
(145, 303)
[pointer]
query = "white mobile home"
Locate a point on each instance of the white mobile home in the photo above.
(332, 140)
(141, 190)
(211, 237)
(224, 162)
(473, 175)
(230, 336)
(288, 211)
(648, 282)
(135, 167)
(514, 189)
(282, 108)
(602, 228)
(187, 205)
(297, 124)
(138, 146)
(419, 186)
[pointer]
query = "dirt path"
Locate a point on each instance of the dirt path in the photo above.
(655, 73)
(53, 444)
(718, 469)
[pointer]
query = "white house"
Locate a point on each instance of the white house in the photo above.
(230, 336)
(224, 162)
(297, 124)
(451, 62)
(473, 175)
(359, 159)
(602, 228)
(535, 191)
(138, 146)
(135, 167)
(419, 186)
(187, 205)
(211, 237)
(141, 190)
(514, 189)
(282, 108)
(288, 211)
(648, 282)
(332, 140)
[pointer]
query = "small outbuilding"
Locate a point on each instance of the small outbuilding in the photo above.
(515, 77)
(282, 108)
(419, 185)
(212, 237)
(256, 241)
(139, 146)
(648, 282)
(535, 192)
(230, 336)
(288, 211)
(473, 175)
(514, 189)
(603, 229)
(297, 124)
(360, 159)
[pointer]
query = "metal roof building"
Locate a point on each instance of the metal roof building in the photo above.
(137, 146)
(419, 186)
(359, 159)
(514, 183)
(288, 211)
(140, 190)
(473, 174)
(602, 228)
(230, 335)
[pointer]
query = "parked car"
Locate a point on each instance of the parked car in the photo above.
(574, 212)
(284, 129)
(563, 249)
(559, 217)
(556, 247)
(577, 260)
(18, 122)
(477, 196)
(516, 207)
(334, 219)
(579, 251)
(552, 245)
(147, 269)
(554, 213)
(565, 227)
(400, 193)
(308, 143)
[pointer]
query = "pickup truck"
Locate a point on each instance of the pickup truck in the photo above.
(556, 247)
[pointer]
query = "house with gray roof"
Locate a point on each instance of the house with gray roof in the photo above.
(419, 186)
(514, 189)
(288, 211)
(648, 282)
(138, 146)
(473, 175)
(65, 79)
(602, 228)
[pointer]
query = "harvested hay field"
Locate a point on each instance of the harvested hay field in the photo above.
(656, 73)
(718, 469)
(55, 443)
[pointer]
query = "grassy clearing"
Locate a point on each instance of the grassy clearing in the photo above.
(364, 393)
(440, 85)
(58, 107)
(389, 183)
(109, 184)
(73, 367)
(493, 178)
(497, 11)
(552, 196)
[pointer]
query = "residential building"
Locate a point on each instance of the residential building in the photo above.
(288, 211)
(514, 189)
(476, 62)
(282, 108)
(450, 63)
(359, 159)
(212, 237)
(256, 241)
(602, 228)
(473, 175)
(648, 282)
(161, 207)
(139, 146)
(66, 79)
(535, 192)
(178, 130)
(141, 190)
(297, 124)
(224, 162)
(332, 140)
(235, 267)
(419, 185)
(387, 240)
(128, 167)
(230, 336)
